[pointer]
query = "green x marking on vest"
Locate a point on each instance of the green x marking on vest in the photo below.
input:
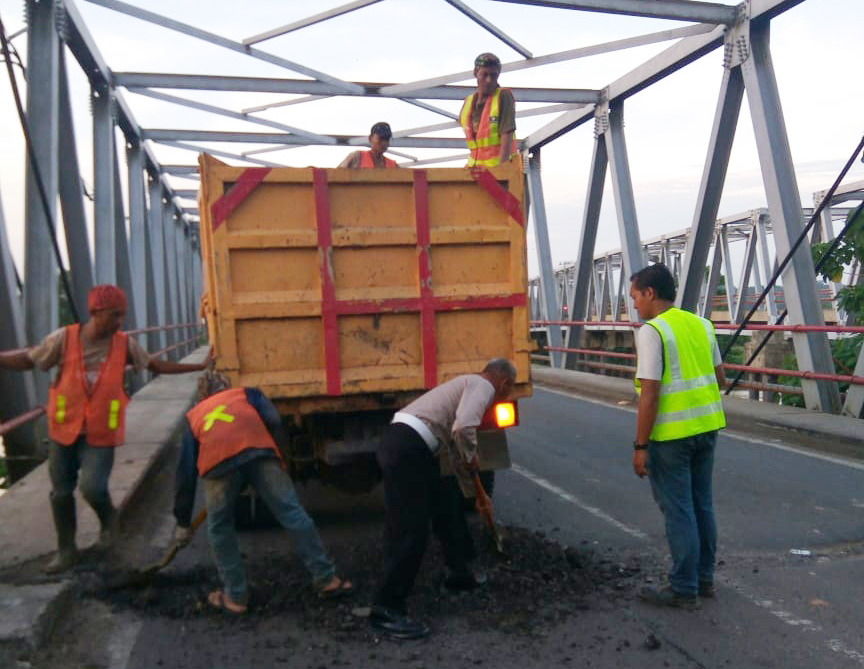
(217, 414)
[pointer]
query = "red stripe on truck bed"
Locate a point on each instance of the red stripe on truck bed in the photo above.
(248, 181)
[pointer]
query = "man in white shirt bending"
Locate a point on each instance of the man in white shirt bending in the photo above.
(446, 417)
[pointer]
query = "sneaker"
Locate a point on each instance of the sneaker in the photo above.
(461, 581)
(62, 561)
(668, 597)
(706, 589)
(390, 623)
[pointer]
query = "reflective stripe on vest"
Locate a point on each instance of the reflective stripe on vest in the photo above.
(368, 162)
(225, 424)
(689, 402)
(485, 146)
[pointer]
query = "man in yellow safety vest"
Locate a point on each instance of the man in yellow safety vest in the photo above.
(488, 116)
(679, 376)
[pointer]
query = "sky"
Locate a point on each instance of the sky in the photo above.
(816, 46)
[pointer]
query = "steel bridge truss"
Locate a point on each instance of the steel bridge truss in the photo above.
(157, 260)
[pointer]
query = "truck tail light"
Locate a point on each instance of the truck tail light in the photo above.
(505, 414)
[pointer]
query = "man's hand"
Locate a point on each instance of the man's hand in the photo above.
(640, 461)
(182, 535)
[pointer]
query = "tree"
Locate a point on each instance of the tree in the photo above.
(851, 248)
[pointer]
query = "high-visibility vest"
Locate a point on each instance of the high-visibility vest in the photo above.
(367, 162)
(225, 424)
(99, 414)
(485, 146)
(690, 401)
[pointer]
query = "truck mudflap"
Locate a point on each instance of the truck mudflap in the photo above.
(491, 448)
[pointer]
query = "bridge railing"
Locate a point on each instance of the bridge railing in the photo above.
(755, 385)
(33, 414)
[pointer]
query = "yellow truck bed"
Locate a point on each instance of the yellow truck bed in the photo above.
(327, 288)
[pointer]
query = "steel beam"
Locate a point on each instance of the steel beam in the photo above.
(216, 152)
(550, 307)
(632, 259)
(121, 251)
(171, 295)
(156, 306)
(728, 272)
(17, 390)
(201, 82)
(40, 270)
(172, 135)
(764, 260)
(103, 185)
(488, 25)
(557, 57)
(213, 109)
(854, 405)
(309, 21)
(713, 278)
(711, 189)
(72, 201)
(138, 233)
(578, 306)
(676, 10)
(744, 283)
(784, 204)
(191, 31)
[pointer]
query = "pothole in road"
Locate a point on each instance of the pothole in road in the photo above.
(538, 584)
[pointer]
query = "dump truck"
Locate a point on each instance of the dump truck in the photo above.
(345, 294)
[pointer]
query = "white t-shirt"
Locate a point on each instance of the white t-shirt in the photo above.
(649, 354)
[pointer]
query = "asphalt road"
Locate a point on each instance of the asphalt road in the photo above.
(572, 482)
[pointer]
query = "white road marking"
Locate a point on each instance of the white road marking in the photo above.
(834, 459)
(567, 497)
(121, 643)
(839, 647)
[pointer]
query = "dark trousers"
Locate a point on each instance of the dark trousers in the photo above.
(417, 496)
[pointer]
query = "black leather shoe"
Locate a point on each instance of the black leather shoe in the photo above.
(395, 625)
(668, 597)
(706, 589)
(465, 580)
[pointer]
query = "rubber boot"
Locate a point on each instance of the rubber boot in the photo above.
(63, 510)
(107, 523)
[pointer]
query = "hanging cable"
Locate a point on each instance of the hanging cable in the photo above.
(37, 174)
(777, 272)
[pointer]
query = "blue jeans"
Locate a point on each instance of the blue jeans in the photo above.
(680, 472)
(276, 489)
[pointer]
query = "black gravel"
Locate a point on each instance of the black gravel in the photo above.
(538, 583)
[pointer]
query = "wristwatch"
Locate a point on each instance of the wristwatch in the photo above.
(639, 447)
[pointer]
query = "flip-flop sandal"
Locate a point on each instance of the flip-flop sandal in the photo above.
(344, 588)
(221, 603)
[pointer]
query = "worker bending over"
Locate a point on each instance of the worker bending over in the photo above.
(230, 442)
(379, 142)
(679, 413)
(444, 419)
(87, 409)
(488, 116)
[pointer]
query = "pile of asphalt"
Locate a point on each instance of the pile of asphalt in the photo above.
(538, 583)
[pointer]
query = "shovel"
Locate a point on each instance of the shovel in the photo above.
(484, 507)
(141, 577)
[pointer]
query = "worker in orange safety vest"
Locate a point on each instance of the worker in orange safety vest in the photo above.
(87, 409)
(488, 116)
(379, 142)
(231, 442)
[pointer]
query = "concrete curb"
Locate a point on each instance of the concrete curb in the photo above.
(153, 419)
(841, 435)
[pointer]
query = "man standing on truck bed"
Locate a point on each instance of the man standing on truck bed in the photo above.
(86, 409)
(379, 142)
(488, 116)
(447, 416)
(679, 375)
(231, 441)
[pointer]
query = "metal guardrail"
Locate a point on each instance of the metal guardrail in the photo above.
(752, 385)
(33, 414)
